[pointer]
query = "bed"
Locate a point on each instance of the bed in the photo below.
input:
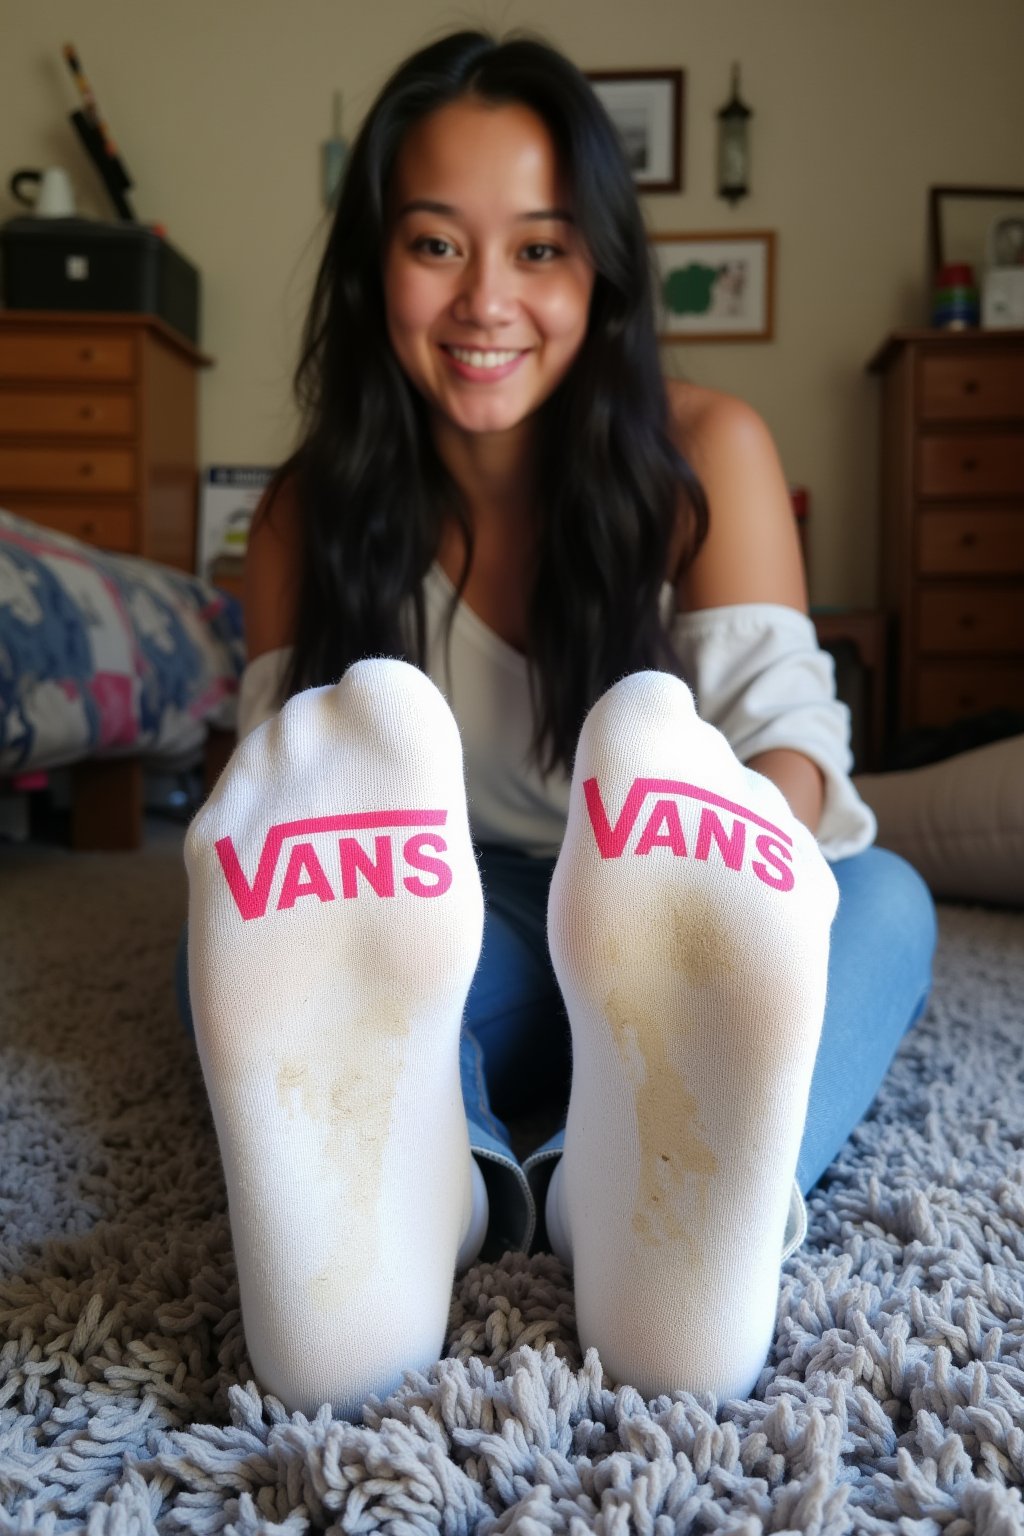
(109, 665)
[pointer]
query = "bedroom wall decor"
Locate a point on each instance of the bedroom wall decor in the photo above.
(961, 219)
(716, 287)
(734, 144)
(646, 106)
(983, 227)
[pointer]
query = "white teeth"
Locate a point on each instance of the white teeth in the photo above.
(482, 359)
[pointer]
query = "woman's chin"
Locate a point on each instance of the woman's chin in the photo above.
(490, 422)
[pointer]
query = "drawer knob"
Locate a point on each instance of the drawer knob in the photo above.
(968, 621)
(971, 386)
(87, 529)
(87, 413)
(967, 701)
(970, 464)
(85, 469)
(87, 354)
(968, 540)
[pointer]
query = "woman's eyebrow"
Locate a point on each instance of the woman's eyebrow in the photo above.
(448, 211)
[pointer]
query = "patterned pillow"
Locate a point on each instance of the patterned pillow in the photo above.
(107, 655)
(960, 822)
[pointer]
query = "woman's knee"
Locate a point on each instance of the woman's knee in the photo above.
(880, 891)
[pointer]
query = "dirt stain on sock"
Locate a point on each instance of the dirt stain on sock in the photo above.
(697, 942)
(674, 1157)
(295, 1089)
(353, 1107)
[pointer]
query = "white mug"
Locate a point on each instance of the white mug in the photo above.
(53, 199)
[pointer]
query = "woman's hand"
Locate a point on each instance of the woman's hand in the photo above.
(801, 781)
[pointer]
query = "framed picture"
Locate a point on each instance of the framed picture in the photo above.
(983, 226)
(716, 287)
(646, 106)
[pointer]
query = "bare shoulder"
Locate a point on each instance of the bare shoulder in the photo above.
(710, 426)
(273, 563)
(751, 553)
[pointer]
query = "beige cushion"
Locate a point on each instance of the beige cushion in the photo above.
(959, 822)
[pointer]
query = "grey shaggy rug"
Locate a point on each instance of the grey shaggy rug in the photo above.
(893, 1397)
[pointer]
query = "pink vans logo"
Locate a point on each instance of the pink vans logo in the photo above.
(305, 874)
(663, 828)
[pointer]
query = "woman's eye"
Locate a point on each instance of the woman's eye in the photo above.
(540, 250)
(432, 245)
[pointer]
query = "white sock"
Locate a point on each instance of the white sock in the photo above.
(688, 921)
(335, 919)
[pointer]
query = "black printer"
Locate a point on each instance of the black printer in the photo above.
(93, 265)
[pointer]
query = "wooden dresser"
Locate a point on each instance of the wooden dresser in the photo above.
(98, 430)
(952, 537)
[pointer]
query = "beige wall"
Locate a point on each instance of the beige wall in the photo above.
(220, 107)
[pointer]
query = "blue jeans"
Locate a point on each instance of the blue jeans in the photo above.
(515, 1039)
(516, 1036)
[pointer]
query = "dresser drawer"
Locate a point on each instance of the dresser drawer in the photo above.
(67, 469)
(947, 693)
(73, 355)
(974, 619)
(105, 526)
(68, 413)
(982, 543)
(969, 385)
(971, 464)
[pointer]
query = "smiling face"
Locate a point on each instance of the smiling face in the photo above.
(486, 280)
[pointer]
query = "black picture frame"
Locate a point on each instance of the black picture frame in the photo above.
(938, 253)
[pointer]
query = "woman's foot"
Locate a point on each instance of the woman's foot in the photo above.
(688, 919)
(334, 927)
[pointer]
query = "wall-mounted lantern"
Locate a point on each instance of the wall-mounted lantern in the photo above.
(734, 144)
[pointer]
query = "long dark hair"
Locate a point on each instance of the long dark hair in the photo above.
(373, 493)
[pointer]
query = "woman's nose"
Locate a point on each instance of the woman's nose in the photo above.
(487, 294)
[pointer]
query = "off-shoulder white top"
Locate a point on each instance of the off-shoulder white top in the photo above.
(756, 671)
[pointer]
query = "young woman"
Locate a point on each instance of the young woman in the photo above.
(559, 552)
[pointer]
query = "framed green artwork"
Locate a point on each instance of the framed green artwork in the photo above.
(716, 287)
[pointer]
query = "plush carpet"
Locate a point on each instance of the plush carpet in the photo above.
(893, 1397)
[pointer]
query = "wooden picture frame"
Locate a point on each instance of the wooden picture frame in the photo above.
(646, 106)
(715, 286)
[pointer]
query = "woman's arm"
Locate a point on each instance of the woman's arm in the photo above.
(270, 589)
(270, 582)
(751, 553)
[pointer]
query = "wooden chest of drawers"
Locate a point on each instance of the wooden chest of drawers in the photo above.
(98, 430)
(952, 541)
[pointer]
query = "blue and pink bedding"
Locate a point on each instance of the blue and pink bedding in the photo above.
(107, 655)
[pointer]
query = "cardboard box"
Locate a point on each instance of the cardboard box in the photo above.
(230, 496)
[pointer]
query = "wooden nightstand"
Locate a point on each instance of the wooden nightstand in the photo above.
(98, 439)
(952, 545)
(98, 430)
